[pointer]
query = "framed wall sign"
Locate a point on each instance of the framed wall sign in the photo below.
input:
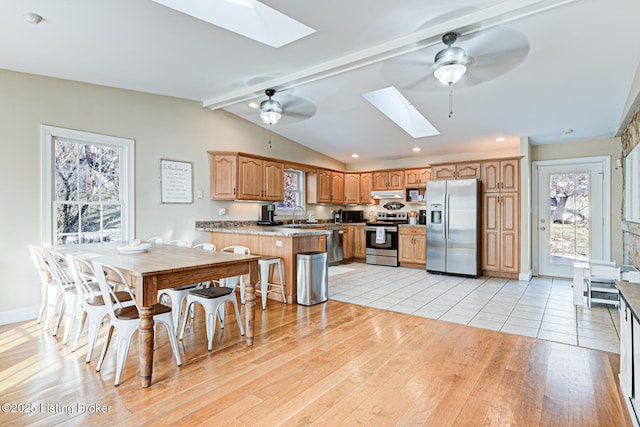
(176, 181)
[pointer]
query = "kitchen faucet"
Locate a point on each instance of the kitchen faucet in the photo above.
(294, 212)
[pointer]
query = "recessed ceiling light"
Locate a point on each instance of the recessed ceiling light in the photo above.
(355, 156)
(501, 139)
(249, 18)
(32, 18)
(567, 131)
(253, 104)
(416, 149)
(398, 108)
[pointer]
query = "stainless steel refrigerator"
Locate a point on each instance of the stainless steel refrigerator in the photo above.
(453, 226)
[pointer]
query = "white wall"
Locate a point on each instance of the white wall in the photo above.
(162, 127)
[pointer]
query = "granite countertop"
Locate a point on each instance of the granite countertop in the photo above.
(266, 230)
(631, 294)
(413, 226)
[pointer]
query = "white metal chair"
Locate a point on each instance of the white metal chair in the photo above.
(71, 299)
(213, 300)
(50, 292)
(93, 305)
(265, 286)
(125, 319)
(237, 279)
(176, 296)
(601, 283)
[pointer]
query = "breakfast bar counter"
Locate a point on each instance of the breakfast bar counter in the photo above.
(285, 242)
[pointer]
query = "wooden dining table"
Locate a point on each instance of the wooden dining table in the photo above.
(168, 266)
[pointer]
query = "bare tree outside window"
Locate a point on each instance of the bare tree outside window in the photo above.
(293, 190)
(87, 201)
(569, 204)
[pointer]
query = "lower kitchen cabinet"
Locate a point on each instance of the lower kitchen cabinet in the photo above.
(629, 376)
(348, 241)
(412, 246)
(360, 242)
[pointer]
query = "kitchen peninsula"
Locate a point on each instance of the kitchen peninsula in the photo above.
(285, 242)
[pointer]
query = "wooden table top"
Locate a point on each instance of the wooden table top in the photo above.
(158, 259)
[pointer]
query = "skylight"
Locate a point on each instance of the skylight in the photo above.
(249, 18)
(398, 108)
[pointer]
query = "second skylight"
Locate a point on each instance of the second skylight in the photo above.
(398, 108)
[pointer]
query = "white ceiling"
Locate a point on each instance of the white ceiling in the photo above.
(539, 66)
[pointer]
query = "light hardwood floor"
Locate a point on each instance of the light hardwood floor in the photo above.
(334, 364)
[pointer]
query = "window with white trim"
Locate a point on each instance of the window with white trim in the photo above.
(88, 187)
(293, 191)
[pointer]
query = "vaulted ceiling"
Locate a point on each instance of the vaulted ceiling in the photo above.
(537, 68)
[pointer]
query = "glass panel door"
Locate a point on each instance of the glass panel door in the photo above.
(570, 216)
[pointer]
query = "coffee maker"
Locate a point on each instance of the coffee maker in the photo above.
(268, 216)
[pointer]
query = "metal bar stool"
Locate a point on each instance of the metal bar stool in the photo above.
(265, 263)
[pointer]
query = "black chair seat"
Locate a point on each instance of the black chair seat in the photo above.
(213, 292)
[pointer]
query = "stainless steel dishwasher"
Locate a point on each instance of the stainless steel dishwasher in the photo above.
(334, 244)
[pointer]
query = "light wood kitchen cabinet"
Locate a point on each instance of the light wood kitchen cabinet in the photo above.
(351, 188)
(357, 189)
(416, 177)
(501, 175)
(325, 186)
(348, 232)
(239, 177)
(501, 243)
(337, 187)
(260, 179)
(456, 171)
(388, 180)
(366, 186)
(223, 173)
(412, 246)
(360, 242)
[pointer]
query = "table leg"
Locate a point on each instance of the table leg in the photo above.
(146, 345)
(249, 311)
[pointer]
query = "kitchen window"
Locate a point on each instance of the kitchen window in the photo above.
(293, 191)
(88, 187)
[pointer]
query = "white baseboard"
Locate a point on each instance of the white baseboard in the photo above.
(525, 277)
(19, 315)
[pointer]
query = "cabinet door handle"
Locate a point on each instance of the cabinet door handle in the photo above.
(234, 191)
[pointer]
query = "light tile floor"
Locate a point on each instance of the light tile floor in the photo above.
(542, 308)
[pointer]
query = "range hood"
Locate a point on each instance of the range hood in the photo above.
(387, 194)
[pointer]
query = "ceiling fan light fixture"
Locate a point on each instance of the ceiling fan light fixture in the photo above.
(450, 74)
(270, 117)
(270, 109)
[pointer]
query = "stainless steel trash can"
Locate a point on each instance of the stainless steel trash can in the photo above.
(313, 273)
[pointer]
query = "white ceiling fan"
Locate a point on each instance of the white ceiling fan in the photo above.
(286, 108)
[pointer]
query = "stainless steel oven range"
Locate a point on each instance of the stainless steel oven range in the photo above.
(382, 238)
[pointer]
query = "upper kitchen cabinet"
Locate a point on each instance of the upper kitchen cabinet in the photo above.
(351, 188)
(456, 171)
(241, 177)
(366, 186)
(325, 186)
(223, 172)
(388, 180)
(416, 177)
(357, 189)
(501, 175)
